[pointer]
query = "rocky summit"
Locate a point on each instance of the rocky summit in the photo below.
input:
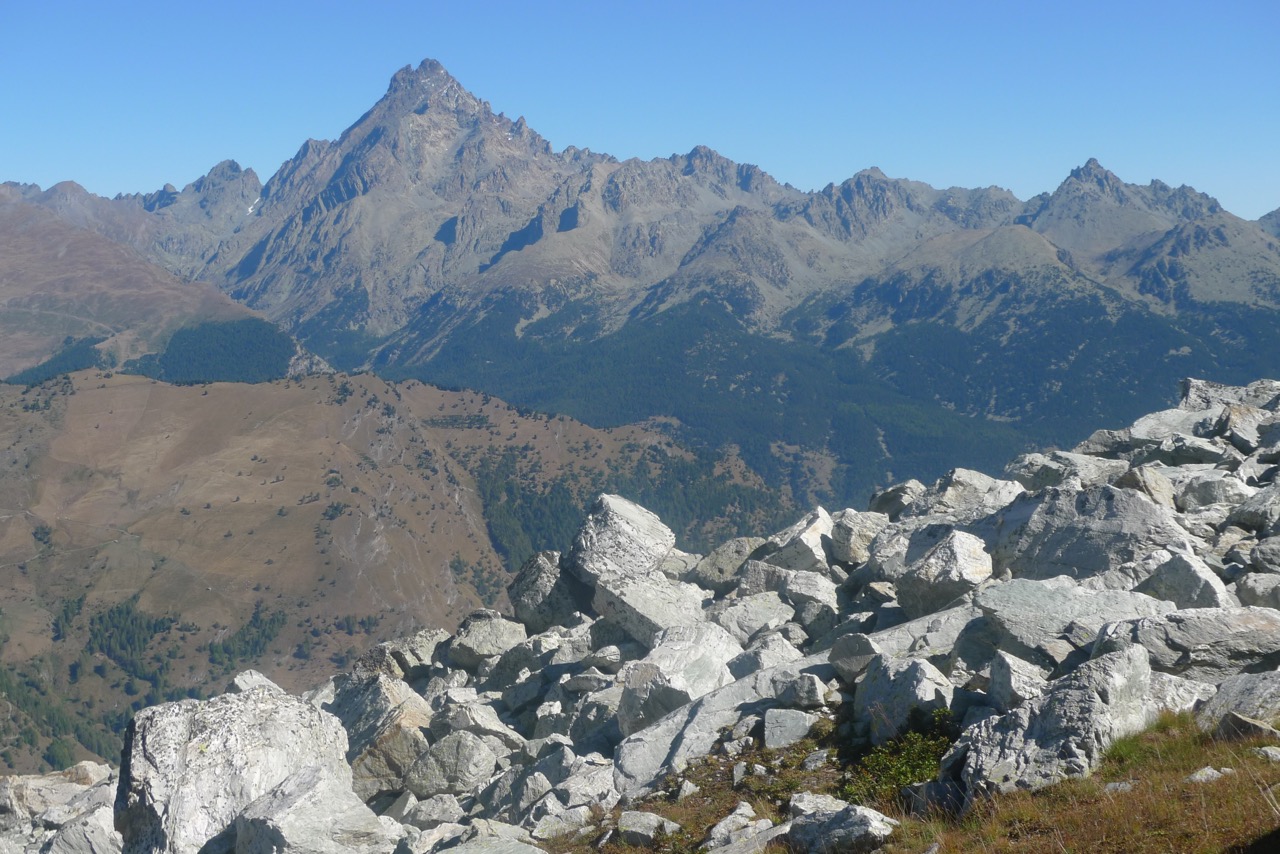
(1048, 613)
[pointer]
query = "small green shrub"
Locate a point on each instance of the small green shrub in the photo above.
(877, 777)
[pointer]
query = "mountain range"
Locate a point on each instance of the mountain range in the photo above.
(440, 241)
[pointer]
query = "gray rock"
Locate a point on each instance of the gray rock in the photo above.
(952, 568)
(1188, 582)
(495, 845)
(1014, 681)
(691, 731)
(1203, 395)
(190, 768)
(817, 759)
(894, 500)
(757, 842)
(677, 564)
(964, 495)
(24, 796)
(1060, 734)
(854, 829)
(619, 539)
(687, 789)
(1253, 695)
(385, 722)
(482, 635)
(958, 640)
(695, 657)
(802, 546)
(893, 692)
(1212, 487)
(1151, 482)
(685, 663)
(1179, 450)
(408, 658)
(1259, 588)
(647, 695)
(1038, 471)
(1268, 752)
(643, 828)
(433, 812)
(586, 682)
(1171, 693)
(92, 832)
(1078, 533)
(765, 651)
(643, 604)
(815, 618)
(82, 805)
(745, 616)
(311, 812)
(590, 784)
(247, 680)
(1236, 727)
(478, 719)
(851, 654)
(785, 727)
(594, 721)
(736, 826)
(1025, 613)
(1265, 556)
(458, 764)
(811, 803)
(810, 587)
(1208, 774)
(899, 545)
(1207, 644)
(852, 533)
(1259, 513)
(542, 596)
(1241, 425)
(560, 823)
(718, 571)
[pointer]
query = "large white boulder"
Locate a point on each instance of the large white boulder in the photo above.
(1207, 644)
(189, 768)
(1062, 733)
(618, 539)
(952, 568)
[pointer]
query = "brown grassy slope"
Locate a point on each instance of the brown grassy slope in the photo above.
(345, 503)
(57, 280)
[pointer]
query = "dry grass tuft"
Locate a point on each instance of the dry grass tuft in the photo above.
(1161, 814)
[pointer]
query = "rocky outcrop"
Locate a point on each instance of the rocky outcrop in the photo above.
(1051, 622)
(192, 770)
(1060, 734)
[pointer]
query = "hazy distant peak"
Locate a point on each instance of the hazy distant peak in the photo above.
(430, 87)
(226, 172)
(1095, 177)
(1270, 223)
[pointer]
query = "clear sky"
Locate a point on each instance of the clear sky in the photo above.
(127, 96)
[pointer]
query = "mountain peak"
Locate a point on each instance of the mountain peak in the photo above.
(430, 87)
(1093, 172)
(428, 71)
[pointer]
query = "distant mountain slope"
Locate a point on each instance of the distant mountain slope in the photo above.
(58, 280)
(142, 525)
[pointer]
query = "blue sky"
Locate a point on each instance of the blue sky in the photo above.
(124, 97)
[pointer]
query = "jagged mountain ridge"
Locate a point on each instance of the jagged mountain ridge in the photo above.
(438, 240)
(432, 196)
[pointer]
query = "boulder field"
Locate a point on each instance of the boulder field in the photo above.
(1049, 612)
